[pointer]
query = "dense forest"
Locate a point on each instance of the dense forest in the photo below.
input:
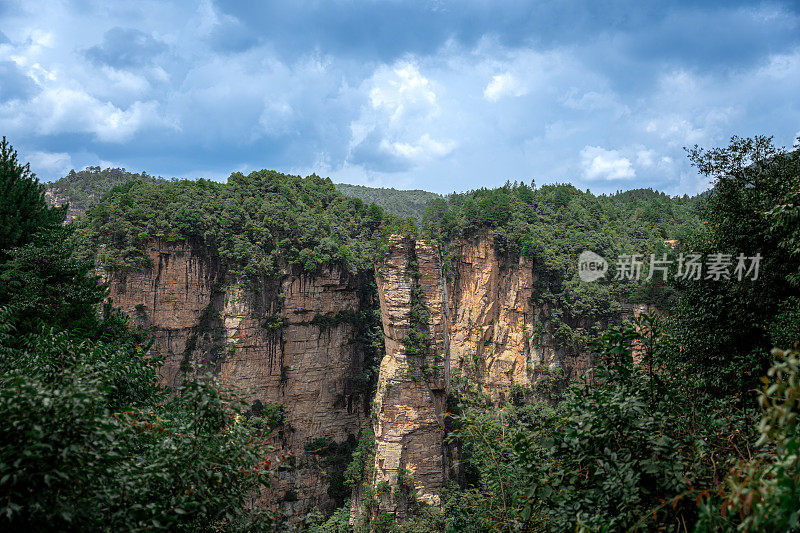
(689, 420)
(80, 188)
(403, 203)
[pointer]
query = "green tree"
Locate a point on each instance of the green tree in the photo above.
(727, 327)
(23, 210)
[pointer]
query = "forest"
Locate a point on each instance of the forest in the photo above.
(687, 421)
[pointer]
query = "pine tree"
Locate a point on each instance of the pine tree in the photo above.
(23, 209)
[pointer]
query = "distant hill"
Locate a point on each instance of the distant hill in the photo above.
(80, 188)
(402, 203)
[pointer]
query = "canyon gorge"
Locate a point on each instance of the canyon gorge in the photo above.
(298, 343)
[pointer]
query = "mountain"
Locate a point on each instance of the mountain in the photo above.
(80, 188)
(318, 305)
(410, 203)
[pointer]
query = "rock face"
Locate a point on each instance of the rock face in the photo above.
(481, 324)
(295, 342)
(412, 387)
(290, 342)
(498, 338)
(57, 197)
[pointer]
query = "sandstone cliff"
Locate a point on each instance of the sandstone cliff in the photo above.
(291, 342)
(294, 342)
(410, 459)
(482, 325)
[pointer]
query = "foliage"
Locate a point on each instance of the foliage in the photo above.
(551, 226)
(646, 443)
(90, 441)
(269, 416)
(762, 494)
(404, 204)
(23, 210)
(257, 224)
(81, 188)
(624, 454)
(362, 455)
(726, 328)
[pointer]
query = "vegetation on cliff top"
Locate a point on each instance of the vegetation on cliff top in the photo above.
(257, 224)
(551, 226)
(403, 203)
(80, 188)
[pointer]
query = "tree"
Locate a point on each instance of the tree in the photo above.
(727, 327)
(23, 210)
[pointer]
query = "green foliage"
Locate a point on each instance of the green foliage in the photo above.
(325, 322)
(762, 494)
(90, 441)
(362, 456)
(339, 521)
(80, 188)
(23, 210)
(628, 453)
(90, 444)
(336, 457)
(269, 416)
(551, 226)
(257, 224)
(727, 327)
(404, 204)
(275, 323)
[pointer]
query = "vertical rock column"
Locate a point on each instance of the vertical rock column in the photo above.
(412, 384)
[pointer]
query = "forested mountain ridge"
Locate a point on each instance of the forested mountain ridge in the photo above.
(403, 203)
(80, 188)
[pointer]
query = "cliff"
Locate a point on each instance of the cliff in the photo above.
(296, 342)
(413, 383)
(292, 342)
(481, 325)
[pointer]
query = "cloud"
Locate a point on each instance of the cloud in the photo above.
(16, 84)
(61, 110)
(424, 148)
(392, 132)
(49, 163)
(125, 48)
(503, 85)
(225, 32)
(646, 158)
(599, 163)
(402, 90)
(478, 95)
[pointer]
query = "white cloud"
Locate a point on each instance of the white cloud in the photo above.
(646, 158)
(424, 148)
(48, 164)
(396, 128)
(599, 163)
(59, 110)
(402, 90)
(504, 85)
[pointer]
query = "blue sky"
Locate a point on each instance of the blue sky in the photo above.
(435, 95)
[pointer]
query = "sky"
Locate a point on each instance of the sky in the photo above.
(433, 95)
